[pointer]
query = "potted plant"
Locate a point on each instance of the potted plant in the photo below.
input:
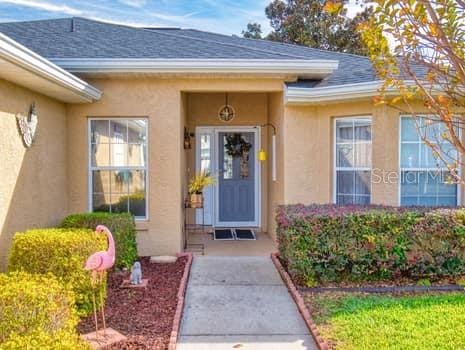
(196, 187)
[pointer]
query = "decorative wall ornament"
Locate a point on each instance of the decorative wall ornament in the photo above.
(226, 112)
(237, 146)
(28, 125)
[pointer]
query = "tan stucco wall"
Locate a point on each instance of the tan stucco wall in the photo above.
(33, 189)
(308, 156)
(41, 185)
(160, 102)
(167, 105)
(184, 165)
(304, 145)
(308, 151)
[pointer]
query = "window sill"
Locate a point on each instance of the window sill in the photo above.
(142, 224)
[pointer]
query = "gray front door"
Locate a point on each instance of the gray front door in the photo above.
(236, 183)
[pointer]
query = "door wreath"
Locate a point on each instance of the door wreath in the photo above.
(236, 146)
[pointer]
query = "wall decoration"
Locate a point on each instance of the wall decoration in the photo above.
(237, 146)
(28, 126)
(226, 112)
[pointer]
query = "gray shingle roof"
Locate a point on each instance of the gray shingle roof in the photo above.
(83, 38)
(352, 68)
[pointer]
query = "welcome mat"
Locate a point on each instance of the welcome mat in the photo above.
(245, 234)
(224, 234)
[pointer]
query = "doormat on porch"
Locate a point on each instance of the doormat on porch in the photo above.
(245, 234)
(224, 234)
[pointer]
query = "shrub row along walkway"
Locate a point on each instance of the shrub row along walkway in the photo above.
(240, 303)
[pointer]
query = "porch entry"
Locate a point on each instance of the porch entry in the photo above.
(230, 154)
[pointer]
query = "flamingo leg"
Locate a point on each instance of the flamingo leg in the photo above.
(102, 305)
(94, 307)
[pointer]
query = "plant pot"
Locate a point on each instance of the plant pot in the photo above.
(196, 200)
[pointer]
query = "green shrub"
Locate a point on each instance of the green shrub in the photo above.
(40, 340)
(36, 312)
(122, 227)
(62, 252)
(328, 243)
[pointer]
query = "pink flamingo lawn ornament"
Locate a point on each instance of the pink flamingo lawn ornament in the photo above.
(98, 263)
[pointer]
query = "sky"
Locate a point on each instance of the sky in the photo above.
(221, 16)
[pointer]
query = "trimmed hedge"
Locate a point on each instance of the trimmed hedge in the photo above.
(62, 252)
(37, 312)
(122, 226)
(327, 243)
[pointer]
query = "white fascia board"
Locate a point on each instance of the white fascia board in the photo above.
(303, 96)
(220, 66)
(308, 96)
(21, 56)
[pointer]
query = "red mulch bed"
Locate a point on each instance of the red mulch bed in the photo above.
(144, 316)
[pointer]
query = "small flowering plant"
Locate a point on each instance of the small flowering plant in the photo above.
(198, 183)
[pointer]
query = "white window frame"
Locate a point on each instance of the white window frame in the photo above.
(337, 168)
(207, 217)
(116, 168)
(417, 169)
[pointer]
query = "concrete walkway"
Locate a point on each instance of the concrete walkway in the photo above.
(240, 303)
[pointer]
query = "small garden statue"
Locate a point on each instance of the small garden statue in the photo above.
(136, 273)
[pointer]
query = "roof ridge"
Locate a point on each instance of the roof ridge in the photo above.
(278, 43)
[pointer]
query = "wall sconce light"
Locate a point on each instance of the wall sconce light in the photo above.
(187, 139)
(262, 153)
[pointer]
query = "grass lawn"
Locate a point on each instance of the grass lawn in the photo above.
(355, 321)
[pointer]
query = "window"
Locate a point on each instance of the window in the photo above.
(424, 180)
(204, 163)
(118, 166)
(353, 160)
(205, 154)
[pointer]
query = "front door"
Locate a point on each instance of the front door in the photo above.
(233, 200)
(236, 198)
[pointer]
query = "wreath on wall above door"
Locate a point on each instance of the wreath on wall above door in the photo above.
(237, 147)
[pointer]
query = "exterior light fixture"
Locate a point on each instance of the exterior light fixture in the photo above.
(226, 112)
(187, 139)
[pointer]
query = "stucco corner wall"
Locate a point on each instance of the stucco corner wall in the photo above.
(33, 188)
(160, 101)
(307, 156)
